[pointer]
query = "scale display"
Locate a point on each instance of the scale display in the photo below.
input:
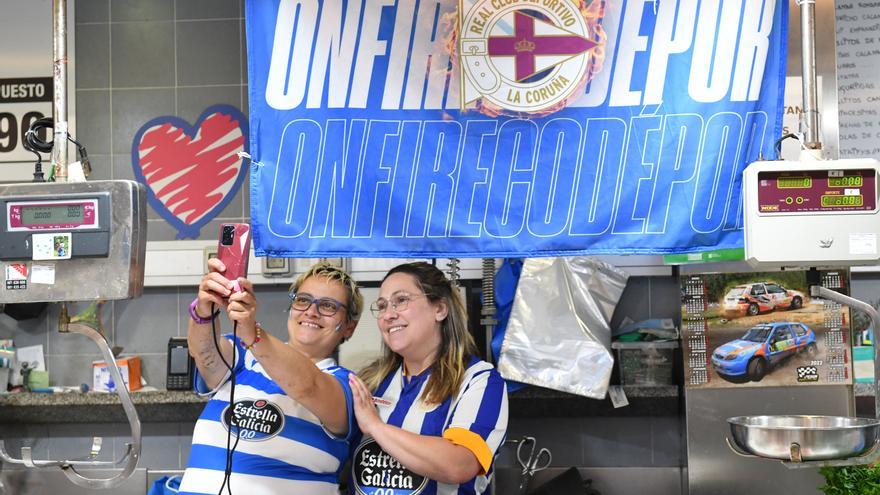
(25, 216)
(817, 191)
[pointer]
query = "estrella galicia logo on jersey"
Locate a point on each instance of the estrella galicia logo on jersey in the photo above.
(525, 56)
(376, 473)
(255, 420)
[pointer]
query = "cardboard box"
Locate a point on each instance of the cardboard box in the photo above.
(129, 367)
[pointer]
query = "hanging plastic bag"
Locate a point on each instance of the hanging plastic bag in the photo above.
(558, 335)
(166, 485)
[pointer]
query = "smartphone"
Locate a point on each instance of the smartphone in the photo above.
(234, 249)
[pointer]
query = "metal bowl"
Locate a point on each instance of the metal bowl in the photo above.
(805, 438)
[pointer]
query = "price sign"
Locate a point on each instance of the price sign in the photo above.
(26, 86)
(22, 101)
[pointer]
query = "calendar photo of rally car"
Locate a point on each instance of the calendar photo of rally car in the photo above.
(762, 329)
(763, 348)
(760, 297)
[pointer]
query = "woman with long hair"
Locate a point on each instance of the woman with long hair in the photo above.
(432, 414)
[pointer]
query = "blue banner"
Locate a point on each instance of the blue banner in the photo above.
(508, 128)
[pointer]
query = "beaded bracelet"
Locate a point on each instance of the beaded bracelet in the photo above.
(257, 338)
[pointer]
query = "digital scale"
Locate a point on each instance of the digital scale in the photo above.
(819, 213)
(72, 241)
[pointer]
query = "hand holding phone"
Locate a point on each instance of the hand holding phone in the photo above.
(234, 251)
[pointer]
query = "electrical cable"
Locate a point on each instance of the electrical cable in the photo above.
(227, 471)
(778, 144)
(36, 145)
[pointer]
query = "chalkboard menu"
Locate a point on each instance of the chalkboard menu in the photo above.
(858, 77)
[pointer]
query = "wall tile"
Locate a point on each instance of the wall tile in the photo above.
(139, 10)
(93, 123)
(92, 56)
(34, 331)
(246, 195)
(665, 297)
(634, 301)
(186, 432)
(142, 54)
(72, 369)
(34, 436)
(160, 445)
(102, 166)
(208, 52)
(208, 9)
(132, 108)
(244, 52)
(121, 167)
(145, 324)
(613, 442)
(92, 11)
(74, 343)
(245, 103)
(154, 367)
(160, 230)
(74, 440)
(666, 445)
(556, 435)
(211, 230)
(193, 101)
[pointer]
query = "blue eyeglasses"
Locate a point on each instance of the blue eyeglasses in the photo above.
(327, 306)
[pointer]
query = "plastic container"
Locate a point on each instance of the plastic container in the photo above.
(645, 363)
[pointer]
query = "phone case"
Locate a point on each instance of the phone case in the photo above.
(234, 249)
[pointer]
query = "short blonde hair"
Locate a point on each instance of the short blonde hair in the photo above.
(334, 273)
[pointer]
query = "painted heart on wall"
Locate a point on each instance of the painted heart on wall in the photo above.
(191, 171)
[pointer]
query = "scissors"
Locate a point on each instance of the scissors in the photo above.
(530, 460)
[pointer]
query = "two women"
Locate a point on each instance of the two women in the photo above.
(432, 415)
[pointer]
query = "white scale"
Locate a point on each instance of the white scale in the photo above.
(811, 213)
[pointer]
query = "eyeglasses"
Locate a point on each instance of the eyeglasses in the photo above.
(327, 306)
(398, 302)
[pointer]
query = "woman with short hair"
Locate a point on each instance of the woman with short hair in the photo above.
(292, 404)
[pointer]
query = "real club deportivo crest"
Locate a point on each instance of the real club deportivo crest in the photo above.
(523, 55)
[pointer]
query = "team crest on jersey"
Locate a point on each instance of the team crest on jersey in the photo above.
(525, 56)
(255, 420)
(375, 472)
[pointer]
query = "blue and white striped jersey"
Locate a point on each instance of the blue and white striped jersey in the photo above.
(283, 447)
(476, 419)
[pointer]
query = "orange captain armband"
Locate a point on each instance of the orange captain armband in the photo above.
(472, 442)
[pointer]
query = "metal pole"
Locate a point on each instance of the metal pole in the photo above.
(59, 106)
(808, 70)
